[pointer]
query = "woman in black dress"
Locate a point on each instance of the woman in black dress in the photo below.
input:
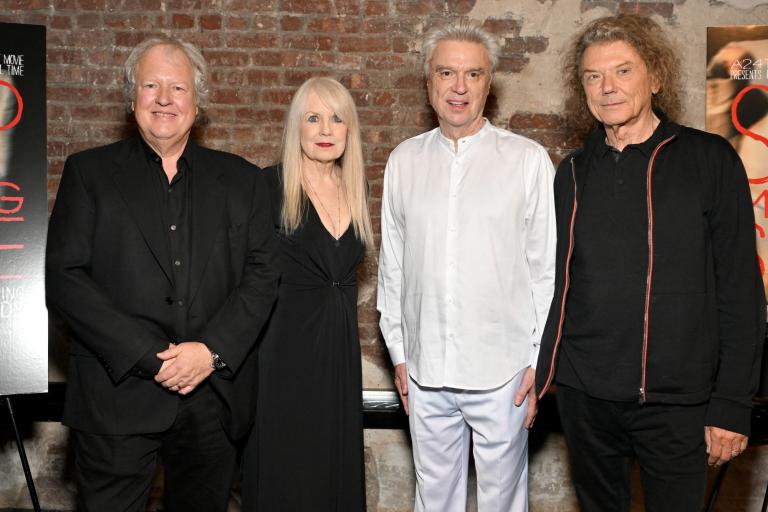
(306, 450)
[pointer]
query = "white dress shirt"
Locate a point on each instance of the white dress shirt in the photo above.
(467, 263)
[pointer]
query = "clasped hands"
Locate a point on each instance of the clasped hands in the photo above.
(185, 366)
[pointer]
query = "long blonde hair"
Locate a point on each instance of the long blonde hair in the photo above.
(338, 99)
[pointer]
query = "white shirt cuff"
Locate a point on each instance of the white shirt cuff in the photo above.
(534, 355)
(397, 353)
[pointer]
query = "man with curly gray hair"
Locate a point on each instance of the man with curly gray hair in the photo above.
(158, 258)
(465, 279)
(656, 329)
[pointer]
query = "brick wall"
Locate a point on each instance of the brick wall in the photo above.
(259, 51)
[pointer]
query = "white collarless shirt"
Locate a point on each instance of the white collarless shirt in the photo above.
(467, 262)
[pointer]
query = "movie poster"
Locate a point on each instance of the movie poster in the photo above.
(737, 109)
(23, 210)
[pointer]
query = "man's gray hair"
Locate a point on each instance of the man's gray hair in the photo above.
(462, 32)
(196, 59)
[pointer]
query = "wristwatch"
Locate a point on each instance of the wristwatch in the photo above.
(216, 362)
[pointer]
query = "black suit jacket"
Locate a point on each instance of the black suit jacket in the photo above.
(108, 273)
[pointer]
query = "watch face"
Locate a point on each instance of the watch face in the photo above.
(216, 362)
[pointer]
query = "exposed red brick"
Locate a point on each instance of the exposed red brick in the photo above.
(220, 113)
(203, 40)
(277, 58)
(376, 25)
(337, 24)
(347, 7)
(135, 21)
(147, 5)
(413, 99)
(376, 135)
(410, 81)
(418, 7)
(459, 6)
(182, 21)
(91, 5)
(536, 44)
(266, 23)
(260, 116)
(131, 39)
(377, 7)
(361, 98)
(375, 189)
(356, 81)
(403, 44)
(520, 120)
(291, 23)
(226, 96)
(503, 26)
(512, 63)
(23, 4)
(210, 22)
(378, 155)
(319, 59)
(349, 61)
(376, 117)
(553, 139)
(252, 40)
(88, 21)
(384, 99)
(390, 61)
(184, 5)
(294, 77)
(63, 56)
(60, 22)
(308, 42)
(278, 96)
(237, 22)
(216, 131)
(363, 44)
(306, 6)
(35, 18)
(252, 6)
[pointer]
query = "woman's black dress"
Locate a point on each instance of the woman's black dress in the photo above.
(309, 417)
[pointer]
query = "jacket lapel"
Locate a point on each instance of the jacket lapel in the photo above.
(138, 189)
(208, 201)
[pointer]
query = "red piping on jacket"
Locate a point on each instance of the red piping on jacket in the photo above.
(649, 277)
(565, 289)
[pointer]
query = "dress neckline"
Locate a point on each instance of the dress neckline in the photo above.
(325, 230)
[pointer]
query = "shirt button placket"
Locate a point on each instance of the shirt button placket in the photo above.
(450, 261)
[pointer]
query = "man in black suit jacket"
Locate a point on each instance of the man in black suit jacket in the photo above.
(159, 259)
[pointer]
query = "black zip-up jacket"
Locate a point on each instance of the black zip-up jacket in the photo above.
(704, 320)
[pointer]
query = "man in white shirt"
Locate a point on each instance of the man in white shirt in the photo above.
(466, 277)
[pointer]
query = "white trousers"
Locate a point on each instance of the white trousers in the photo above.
(441, 421)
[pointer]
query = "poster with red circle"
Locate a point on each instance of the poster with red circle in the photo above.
(737, 109)
(23, 210)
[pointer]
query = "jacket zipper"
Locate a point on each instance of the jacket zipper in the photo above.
(649, 275)
(551, 375)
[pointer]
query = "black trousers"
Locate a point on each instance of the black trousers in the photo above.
(115, 473)
(604, 438)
